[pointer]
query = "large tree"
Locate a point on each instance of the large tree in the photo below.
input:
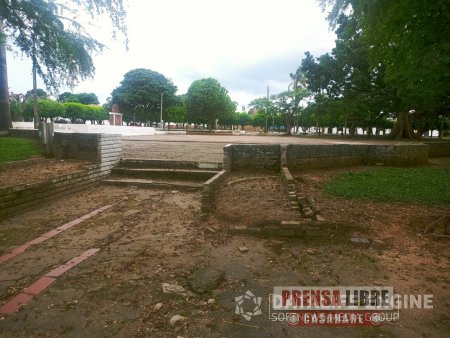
(139, 95)
(49, 33)
(207, 99)
(84, 98)
(410, 39)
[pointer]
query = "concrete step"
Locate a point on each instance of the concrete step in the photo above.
(169, 164)
(154, 184)
(169, 174)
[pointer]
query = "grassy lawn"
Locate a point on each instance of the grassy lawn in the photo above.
(16, 149)
(424, 185)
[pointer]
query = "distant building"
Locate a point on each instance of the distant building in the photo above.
(115, 118)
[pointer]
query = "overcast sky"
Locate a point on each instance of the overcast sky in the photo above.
(245, 44)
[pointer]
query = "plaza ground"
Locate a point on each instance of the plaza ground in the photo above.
(150, 237)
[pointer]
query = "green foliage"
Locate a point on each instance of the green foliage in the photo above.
(177, 114)
(47, 109)
(40, 93)
(139, 95)
(259, 119)
(77, 111)
(60, 47)
(16, 149)
(207, 101)
(84, 98)
(399, 50)
(243, 119)
(419, 185)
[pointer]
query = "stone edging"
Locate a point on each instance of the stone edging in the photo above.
(208, 194)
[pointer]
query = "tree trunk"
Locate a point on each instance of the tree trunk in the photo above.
(403, 127)
(5, 114)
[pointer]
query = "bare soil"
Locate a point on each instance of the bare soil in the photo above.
(151, 237)
(38, 170)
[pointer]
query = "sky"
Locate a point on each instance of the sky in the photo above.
(246, 45)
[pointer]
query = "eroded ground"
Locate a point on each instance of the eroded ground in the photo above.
(152, 237)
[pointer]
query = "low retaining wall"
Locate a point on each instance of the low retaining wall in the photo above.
(105, 150)
(252, 156)
(209, 192)
(438, 148)
(306, 156)
(24, 133)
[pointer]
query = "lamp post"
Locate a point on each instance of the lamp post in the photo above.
(160, 118)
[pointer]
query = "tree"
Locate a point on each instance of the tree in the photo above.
(5, 115)
(243, 119)
(40, 93)
(48, 33)
(84, 98)
(410, 39)
(139, 95)
(206, 99)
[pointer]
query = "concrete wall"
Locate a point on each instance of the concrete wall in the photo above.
(105, 152)
(252, 156)
(92, 147)
(301, 156)
(209, 192)
(439, 148)
(24, 133)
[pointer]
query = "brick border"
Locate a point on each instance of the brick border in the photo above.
(14, 304)
(21, 249)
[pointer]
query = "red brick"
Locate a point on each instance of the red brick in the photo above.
(90, 252)
(40, 285)
(20, 249)
(65, 267)
(14, 304)
(52, 233)
(37, 240)
(69, 225)
(6, 257)
(70, 264)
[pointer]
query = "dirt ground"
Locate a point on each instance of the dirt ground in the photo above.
(39, 170)
(152, 237)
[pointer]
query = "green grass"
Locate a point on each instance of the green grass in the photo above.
(16, 149)
(421, 185)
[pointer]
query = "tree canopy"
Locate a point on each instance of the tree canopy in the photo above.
(207, 101)
(50, 34)
(139, 95)
(404, 46)
(84, 98)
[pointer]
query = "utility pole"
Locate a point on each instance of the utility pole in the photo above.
(160, 118)
(267, 103)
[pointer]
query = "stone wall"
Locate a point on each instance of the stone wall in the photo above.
(91, 147)
(301, 156)
(209, 192)
(104, 150)
(24, 133)
(252, 156)
(325, 155)
(439, 148)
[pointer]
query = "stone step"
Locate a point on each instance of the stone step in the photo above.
(155, 184)
(169, 164)
(161, 173)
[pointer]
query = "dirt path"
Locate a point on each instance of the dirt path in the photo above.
(152, 237)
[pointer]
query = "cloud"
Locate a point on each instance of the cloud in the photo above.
(246, 45)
